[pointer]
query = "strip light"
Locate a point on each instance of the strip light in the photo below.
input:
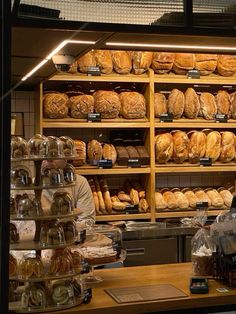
(55, 51)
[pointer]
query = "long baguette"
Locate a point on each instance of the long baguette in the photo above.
(106, 195)
(95, 196)
(102, 206)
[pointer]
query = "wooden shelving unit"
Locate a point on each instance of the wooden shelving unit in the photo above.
(150, 124)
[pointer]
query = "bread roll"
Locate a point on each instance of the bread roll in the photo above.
(226, 65)
(202, 196)
(170, 199)
(191, 197)
(208, 106)
(87, 60)
(94, 152)
(181, 200)
(55, 105)
(81, 105)
(104, 60)
(196, 146)
(223, 102)
(160, 203)
(183, 63)
(162, 62)
(160, 104)
(80, 149)
(107, 103)
(233, 105)
(176, 103)
(143, 205)
(121, 61)
(227, 196)
(205, 63)
(164, 147)
(134, 196)
(213, 145)
(181, 142)
(109, 152)
(227, 146)
(133, 105)
(215, 197)
(141, 61)
(192, 104)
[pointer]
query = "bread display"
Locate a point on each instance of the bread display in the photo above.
(121, 61)
(196, 146)
(87, 60)
(162, 62)
(94, 152)
(160, 104)
(107, 103)
(181, 143)
(133, 105)
(183, 63)
(141, 61)
(192, 104)
(176, 103)
(208, 106)
(223, 102)
(104, 61)
(80, 150)
(81, 105)
(233, 105)
(205, 63)
(109, 152)
(228, 146)
(55, 105)
(226, 65)
(215, 197)
(213, 145)
(164, 147)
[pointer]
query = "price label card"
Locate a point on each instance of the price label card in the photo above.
(221, 118)
(94, 117)
(134, 163)
(105, 163)
(94, 71)
(202, 205)
(205, 161)
(131, 209)
(193, 74)
(166, 117)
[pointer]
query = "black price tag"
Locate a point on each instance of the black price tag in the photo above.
(166, 117)
(205, 161)
(105, 163)
(221, 118)
(193, 74)
(134, 163)
(94, 117)
(202, 205)
(95, 71)
(131, 209)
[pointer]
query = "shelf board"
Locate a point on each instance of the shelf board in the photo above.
(28, 245)
(92, 170)
(42, 187)
(190, 213)
(195, 123)
(187, 167)
(116, 217)
(45, 278)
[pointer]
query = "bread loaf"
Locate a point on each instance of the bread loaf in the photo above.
(107, 103)
(102, 206)
(226, 65)
(215, 197)
(133, 105)
(143, 155)
(191, 197)
(121, 61)
(55, 105)
(94, 152)
(183, 63)
(170, 199)
(227, 196)
(208, 106)
(196, 146)
(233, 105)
(181, 143)
(181, 200)
(87, 60)
(227, 146)
(160, 203)
(104, 60)
(118, 206)
(202, 196)
(162, 62)
(176, 103)
(205, 63)
(164, 147)
(132, 151)
(122, 156)
(109, 152)
(213, 145)
(95, 196)
(192, 104)
(124, 197)
(134, 196)
(223, 102)
(143, 205)
(81, 105)
(106, 195)
(80, 149)
(160, 104)
(141, 61)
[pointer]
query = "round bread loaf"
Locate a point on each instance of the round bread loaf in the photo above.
(226, 65)
(81, 105)
(205, 63)
(170, 199)
(94, 151)
(208, 106)
(109, 152)
(104, 60)
(107, 103)
(176, 103)
(181, 142)
(160, 104)
(183, 63)
(223, 102)
(121, 61)
(192, 104)
(162, 62)
(86, 61)
(228, 146)
(141, 61)
(133, 105)
(164, 147)
(55, 105)
(80, 149)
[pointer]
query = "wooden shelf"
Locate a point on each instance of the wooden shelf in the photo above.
(86, 170)
(31, 245)
(195, 123)
(190, 213)
(116, 217)
(192, 168)
(45, 278)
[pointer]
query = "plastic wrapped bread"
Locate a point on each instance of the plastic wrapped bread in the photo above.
(181, 143)
(141, 61)
(104, 60)
(121, 61)
(162, 62)
(133, 105)
(227, 146)
(192, 104)
(160, 104)
(164, 147)
(213, 145)
(176, 103)
(208, 106)
(196, 146)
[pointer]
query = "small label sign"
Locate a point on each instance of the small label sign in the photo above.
(166, 117)
(193, 74)
(94, 71)
(131, 209)
(201, 205)
(205, 161)
(105, 163)
(134, 163)
(94, 117)
(221, 118)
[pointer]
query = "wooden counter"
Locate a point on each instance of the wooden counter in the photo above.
(176, 274)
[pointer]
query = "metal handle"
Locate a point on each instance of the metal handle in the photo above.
(135, 252)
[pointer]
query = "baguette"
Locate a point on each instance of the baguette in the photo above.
(95, 196)
(102, 206)
(106, 195)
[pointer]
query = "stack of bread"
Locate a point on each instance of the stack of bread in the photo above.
(131, 194)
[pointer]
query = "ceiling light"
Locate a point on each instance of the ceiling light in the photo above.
(34, 69)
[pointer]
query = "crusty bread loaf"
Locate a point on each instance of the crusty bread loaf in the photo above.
(164, 147)
(160, 104)
(122, 156)
(181, 200)
(215, 197)
(162, 62)
(202, 196)
(94, 152)
(106, 195)
(134, 196)
(124, 197)
(176, 103)
(191, 197)
(109, 152)
(55, 105)
(118, 206)
(192, 104)
(86, 61)
(102, 206)
(143, 205)
(170, 199)
(181, 142)
(205, 63)
(132, 151)
(80, 149)
(81, 105)
(95, 196)
(226, 195)
(107, 103)
(227, 146)
(196, 146)
(208, 106)
(213, 145)
(143, 155)
(104, 60)
(233, 105)
(160, 203)
(183, 63)
(133, 105)
(223, 102)
(121, 61)
(141, 61)
(226, 65)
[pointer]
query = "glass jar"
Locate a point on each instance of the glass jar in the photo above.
(28, 206)
(19, 147)
(30, 266)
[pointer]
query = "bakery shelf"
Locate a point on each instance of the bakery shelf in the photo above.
(190, 213)
(41, 187)
(31, 245)
(71, 157)
(190, 168)
(195, 123)
(86, 170)
(116, 217)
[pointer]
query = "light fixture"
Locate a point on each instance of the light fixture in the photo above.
(55, 51)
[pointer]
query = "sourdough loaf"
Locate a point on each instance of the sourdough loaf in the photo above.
(160, 203)
(197, 146)
(107, 103)
(202, 196)
(141, 61)
(170, 199)
(227, 146)
(208, 106)
(133, 105)
(94, 152)
(192, 104)
(104, 60)
(86, 61)
(213, 145)
(183, 63)
(121, 61)
(215, 197)
(226, 65)
(81, 105)
(223, 102)
(109, 152)
(226, 195)
(164, 147)
(162, 62)
(181, 142)
(205, 63)
(80, 149)
(176, 103)
(160, 104)
(191, 197)
(55, 105)
(181, 200)
(233, 105)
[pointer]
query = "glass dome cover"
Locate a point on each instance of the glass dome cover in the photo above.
(20, 177)
(69, 174)
(52, 233)
(51, 147)
(62, 203)
(68, 145)
(19, 147)
(52, 176)
(34, 145)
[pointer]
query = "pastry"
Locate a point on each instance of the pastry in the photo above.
(160, 104)
(181, 143)
(205, 63)
(176, 103)
(121, 61)
(14, 235)
(141, 61)
(94, 152)
(164, 147)
(104, 61)
(223, 102)
(55, 105)
(81, 106)
(123, 197)
(34, 145)
(80, 151)
(226, 65)
(87, 60)
(213, 145)
(196, 146)
(30, 267)
(162, 62)
(183, 63)
(227, 146)
(143, 205)
(208, 106)
(107, 103)
(109, 152)
(160, 203)
(77, 261)
(118, 206)
(133, 105)
(34, 296)
(192, 104)
(170, 199)
(62, 293)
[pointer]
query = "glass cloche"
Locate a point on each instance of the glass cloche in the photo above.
(19, 147)
(34, 145)
(51, 147)
(68, 146)
(20, 177)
